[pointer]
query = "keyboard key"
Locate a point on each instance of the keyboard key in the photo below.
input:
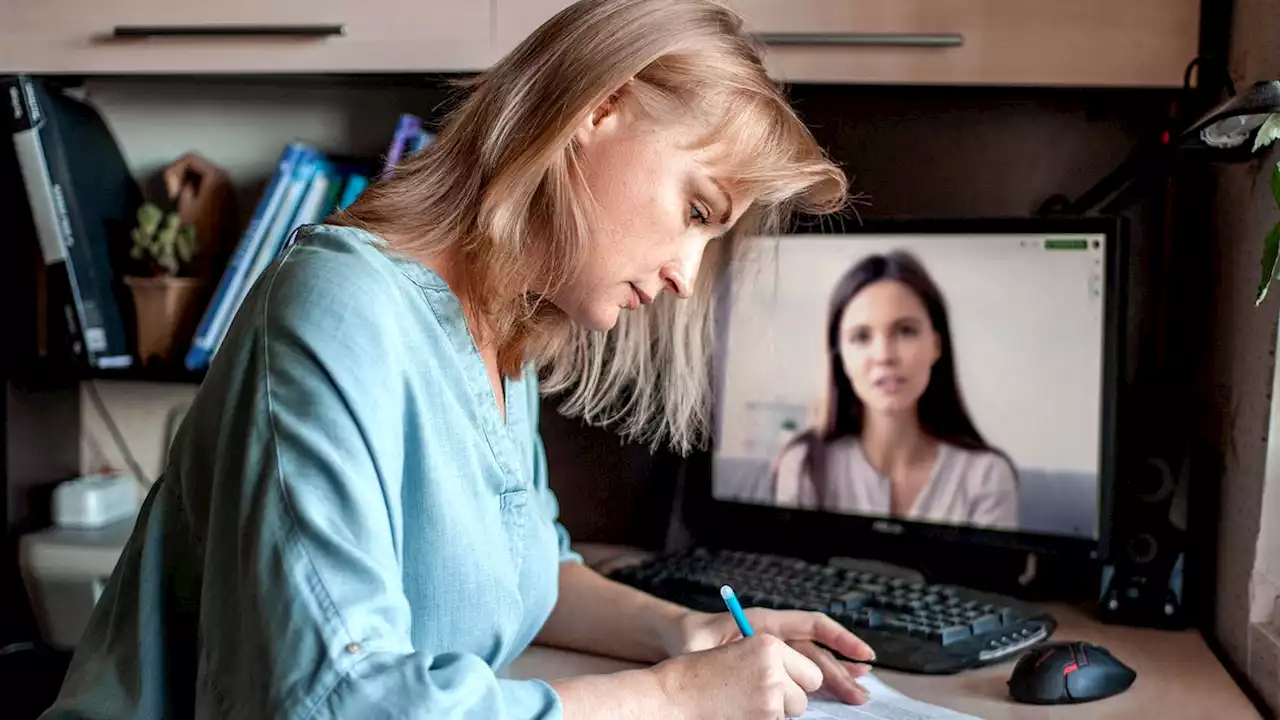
(898, 623)
(848, 603)
(869, 619)
(948, 635)
(985, 624)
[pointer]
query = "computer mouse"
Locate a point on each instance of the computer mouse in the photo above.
(1068, 672)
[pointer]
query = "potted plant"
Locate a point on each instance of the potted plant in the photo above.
(166, 298)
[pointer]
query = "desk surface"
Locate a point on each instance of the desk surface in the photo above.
(1178, 676)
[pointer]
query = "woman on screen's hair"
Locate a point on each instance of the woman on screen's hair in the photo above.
(895, 438)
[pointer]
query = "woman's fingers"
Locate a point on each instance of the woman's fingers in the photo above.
(856, 669)
(801, 625)
(836, 675)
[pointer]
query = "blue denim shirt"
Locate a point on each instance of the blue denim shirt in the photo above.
(346, 528)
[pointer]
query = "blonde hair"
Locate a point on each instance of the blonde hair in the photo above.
(500, 190)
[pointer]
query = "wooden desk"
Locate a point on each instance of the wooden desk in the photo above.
(1178, 676)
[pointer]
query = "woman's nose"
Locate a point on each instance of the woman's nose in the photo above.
(884, 350)
(679, 275)
(675, 280)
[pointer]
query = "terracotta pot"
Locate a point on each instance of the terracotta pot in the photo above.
(167, 310)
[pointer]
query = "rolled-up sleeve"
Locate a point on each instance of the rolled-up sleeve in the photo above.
(325, 548)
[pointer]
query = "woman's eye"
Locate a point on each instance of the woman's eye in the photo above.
(696, 214)
(908, 331)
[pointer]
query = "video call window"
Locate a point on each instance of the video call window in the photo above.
(991, 344)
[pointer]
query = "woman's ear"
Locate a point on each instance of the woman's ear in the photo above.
(602, 119)
(937, 346)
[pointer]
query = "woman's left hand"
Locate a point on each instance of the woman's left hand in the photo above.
(801, 630)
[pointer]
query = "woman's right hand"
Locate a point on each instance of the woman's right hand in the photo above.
(760, 677)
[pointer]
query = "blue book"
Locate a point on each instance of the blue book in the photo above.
(356, 183)
(317, 203)
(233, 278)
(277, 232)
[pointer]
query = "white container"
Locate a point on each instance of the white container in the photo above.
(94, 501)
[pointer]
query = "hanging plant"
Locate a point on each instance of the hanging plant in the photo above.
(1267, 134)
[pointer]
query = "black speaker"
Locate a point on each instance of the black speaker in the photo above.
(1143, 574)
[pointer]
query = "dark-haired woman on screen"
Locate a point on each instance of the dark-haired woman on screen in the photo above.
(895, 439)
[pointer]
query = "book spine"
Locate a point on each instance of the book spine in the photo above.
(356, 184)
(316, 204)
(331, 197)
(42, 198)
(201, 350)
(87, 260)
(407, 126)
(422, 140)
(296, 187)
(54, 302)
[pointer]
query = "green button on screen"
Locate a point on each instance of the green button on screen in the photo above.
(1066, 244)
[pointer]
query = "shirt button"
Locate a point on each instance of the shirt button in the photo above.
(354, 648)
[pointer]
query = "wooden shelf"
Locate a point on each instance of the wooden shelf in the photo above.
(156, 373)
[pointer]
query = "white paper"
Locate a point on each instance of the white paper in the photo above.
(885, 704)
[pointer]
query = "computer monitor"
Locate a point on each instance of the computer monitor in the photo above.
(991, 345)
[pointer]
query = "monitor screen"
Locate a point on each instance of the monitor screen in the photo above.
(943, 378)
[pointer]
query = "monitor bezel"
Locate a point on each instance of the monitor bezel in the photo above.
(810, 534)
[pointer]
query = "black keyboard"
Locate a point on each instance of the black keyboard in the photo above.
(912, 626)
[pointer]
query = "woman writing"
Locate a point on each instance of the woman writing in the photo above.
(896, 439)
(355, 520)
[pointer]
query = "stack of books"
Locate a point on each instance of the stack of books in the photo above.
(64, 168)
(306, 188)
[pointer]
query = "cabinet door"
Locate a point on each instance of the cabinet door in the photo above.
(1133, 43)
(243, 36)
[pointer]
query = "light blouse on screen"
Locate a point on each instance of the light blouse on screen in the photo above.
(967, 487)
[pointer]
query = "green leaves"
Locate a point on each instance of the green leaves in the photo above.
(162, 240)
(1275, 184)
(1270, 250)
(1270, 246)
(1268, 133)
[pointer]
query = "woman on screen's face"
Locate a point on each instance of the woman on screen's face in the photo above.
(888, 346)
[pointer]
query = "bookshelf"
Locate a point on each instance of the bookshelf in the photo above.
(164, 374)
(53, 420)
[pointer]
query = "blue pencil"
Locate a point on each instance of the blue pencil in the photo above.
(735, 609)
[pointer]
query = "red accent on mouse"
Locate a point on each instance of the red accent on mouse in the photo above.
(1068, 672)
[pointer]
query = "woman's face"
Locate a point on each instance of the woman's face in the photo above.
(888, 346)
(656, 205)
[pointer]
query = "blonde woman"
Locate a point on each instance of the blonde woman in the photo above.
(356, 522)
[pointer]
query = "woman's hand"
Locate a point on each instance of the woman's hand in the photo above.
(756, 678)
(697, 631)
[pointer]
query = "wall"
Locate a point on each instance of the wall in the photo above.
(1239, 384)
(143, 413)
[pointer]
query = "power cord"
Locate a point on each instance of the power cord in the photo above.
(116, 435)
